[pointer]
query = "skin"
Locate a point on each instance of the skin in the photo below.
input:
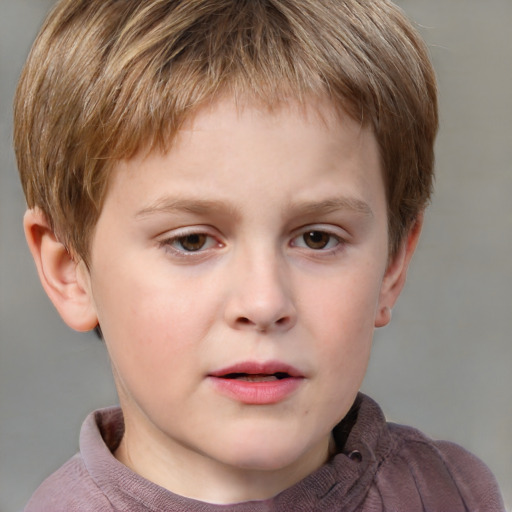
(202, 258)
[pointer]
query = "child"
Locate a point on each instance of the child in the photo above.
(232, 190)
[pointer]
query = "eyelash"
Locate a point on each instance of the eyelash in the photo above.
(174, 244)
(327, 239)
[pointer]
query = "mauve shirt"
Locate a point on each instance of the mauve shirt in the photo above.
(379, 466)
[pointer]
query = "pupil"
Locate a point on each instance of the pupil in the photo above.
(316, 239)
(193, 242)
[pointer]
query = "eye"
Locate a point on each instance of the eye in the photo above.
(190, 243)
(317, 240)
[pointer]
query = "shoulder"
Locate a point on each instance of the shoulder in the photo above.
(69, 489)
(400, 468)
(455, 473)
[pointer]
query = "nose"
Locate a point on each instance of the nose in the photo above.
(261, 295)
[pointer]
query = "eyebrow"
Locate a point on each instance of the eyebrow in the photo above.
(205, 206)
(193, 206)
(333, 205)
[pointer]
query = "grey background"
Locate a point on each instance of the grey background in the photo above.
(443, 365)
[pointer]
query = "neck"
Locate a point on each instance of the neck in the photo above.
(187, 473)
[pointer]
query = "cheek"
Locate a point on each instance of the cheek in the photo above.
(344, 304)
(137, 325)
(155, 328)
(341, 320)
(145, 302)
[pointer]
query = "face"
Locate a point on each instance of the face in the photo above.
(237, 280)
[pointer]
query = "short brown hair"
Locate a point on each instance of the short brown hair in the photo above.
(107, 78)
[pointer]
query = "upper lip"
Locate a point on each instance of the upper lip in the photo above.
(258, 368)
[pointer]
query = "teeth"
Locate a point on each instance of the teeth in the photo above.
(260, 377)
(257, 378)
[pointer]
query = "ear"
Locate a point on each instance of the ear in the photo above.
(65, 280)
(396, 273)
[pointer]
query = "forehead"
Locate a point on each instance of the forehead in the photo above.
(237, 142)
(243, 116)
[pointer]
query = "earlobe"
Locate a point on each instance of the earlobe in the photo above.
(396, 273)
(64, 280)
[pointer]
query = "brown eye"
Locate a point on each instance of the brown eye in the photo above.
(193, 242)
(316, 239)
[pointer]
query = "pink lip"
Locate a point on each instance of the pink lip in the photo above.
(257, 392)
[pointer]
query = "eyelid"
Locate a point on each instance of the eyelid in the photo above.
(333, 231)
(168, 239)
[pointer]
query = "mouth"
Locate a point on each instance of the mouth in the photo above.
(260, 377)
(258, 372)
(257, 383)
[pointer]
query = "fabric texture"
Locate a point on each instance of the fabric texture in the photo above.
(378, 466)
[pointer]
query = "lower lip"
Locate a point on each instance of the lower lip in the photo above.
(256, 393)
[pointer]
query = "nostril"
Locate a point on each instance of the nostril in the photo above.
(263, 324)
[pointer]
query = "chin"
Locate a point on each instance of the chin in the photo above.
(271, 453)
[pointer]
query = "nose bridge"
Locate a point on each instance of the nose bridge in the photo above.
(261, 293)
